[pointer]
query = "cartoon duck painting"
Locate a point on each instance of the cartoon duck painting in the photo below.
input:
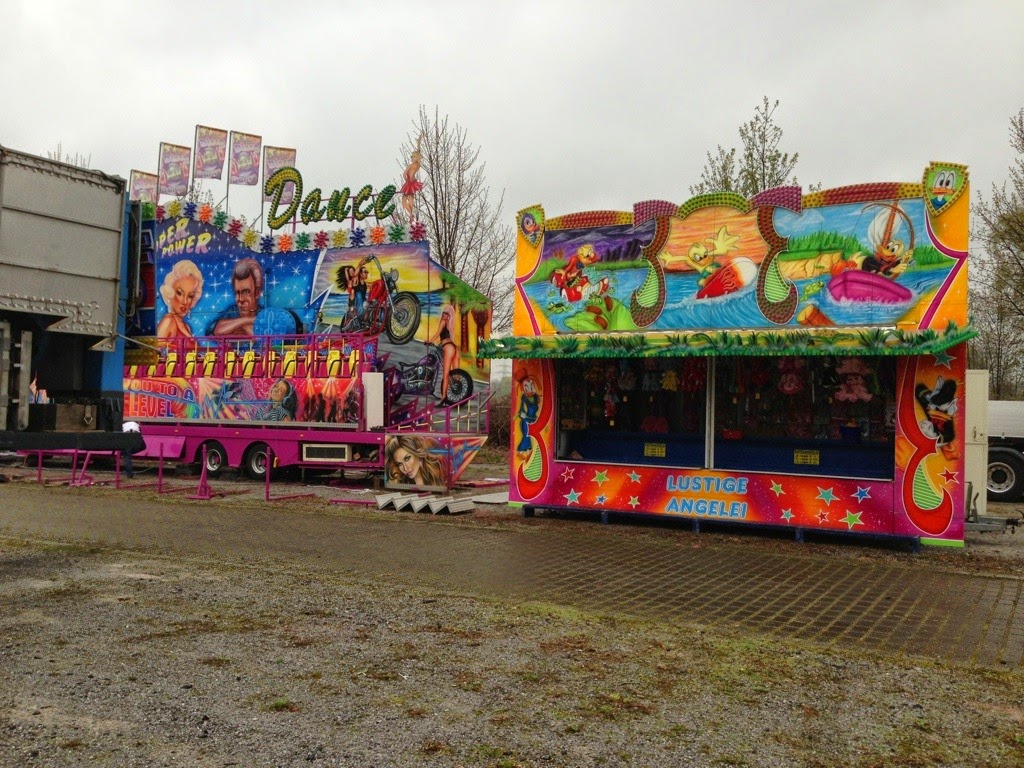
(701, 256)
(573, 283)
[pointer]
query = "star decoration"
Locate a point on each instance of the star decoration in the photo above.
(601, 499)
(358, 237)
(600, 477)
(572, 497)
(206, 213)
(787, 515)
(302, 241)
(190, 210)
(634, 477)
(568, 472)
(250, 238)
(396, 234)
(174, 209)
(377, 235)
(339, 238)
(320, 240)
(220, 219)
(284, 243)
(235, 228)
(943, 358)
(418, 231)
(949, 476)
(862, 494)
(634, 502)
(823, 516)
(851, 519)
(777, 489)
(826, 495)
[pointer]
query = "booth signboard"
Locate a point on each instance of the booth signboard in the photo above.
(790, 360)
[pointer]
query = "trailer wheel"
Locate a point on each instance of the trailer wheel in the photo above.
(216, 457)
(1005, 480)
(255, 464)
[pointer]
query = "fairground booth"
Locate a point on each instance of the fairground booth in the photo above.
(793, 360)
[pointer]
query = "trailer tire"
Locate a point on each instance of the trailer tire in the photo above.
(1005, 478)
(216, 457)
(255, 464)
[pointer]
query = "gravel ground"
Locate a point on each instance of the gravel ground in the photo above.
(116, 657)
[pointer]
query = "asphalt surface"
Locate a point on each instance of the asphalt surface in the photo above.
(894, 605)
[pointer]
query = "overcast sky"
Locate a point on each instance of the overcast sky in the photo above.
(575, 105)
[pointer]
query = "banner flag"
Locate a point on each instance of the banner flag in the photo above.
(210, 150)
(245, 159)
(174, 165)
(142, 186)
(273, 159)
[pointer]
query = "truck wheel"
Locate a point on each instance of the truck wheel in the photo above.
(216, 457)
(1005, 476)
(255, 463)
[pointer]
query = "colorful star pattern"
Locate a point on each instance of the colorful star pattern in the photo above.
(851, 519)
(826, 495)
(777, 489)
(600, 477)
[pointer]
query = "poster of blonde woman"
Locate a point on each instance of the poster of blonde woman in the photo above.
(181, 290)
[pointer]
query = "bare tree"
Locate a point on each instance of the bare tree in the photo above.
(760, 165)
(997, 293)
(464, 224)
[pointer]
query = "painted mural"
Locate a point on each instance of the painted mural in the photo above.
(221, 289)
(869, 255)
(791, 360)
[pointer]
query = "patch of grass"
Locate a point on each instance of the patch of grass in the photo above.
(612, 705)
(72, 744)
(467, 681)
(283, 704)
(434, 747)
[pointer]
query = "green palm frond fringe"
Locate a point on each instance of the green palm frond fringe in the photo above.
(755, 342)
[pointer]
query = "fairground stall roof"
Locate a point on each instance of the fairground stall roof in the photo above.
(878, 268)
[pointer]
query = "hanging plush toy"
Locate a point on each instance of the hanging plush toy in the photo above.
(791, 379)
(611, 394)
(853, 374)
(694, 375)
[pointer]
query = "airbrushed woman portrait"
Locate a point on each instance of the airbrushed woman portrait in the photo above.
(182, 288)
(413, 460)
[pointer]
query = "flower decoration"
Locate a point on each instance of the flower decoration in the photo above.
(206, 213)
(320, 240)
(339, 238)
(396, 234)
(235, 228)
(358, 237)
(220, 219)
(377, 235)
(160, 213)
(267, 244)
(250, 238)
(418, 231)
(174, 209)
(302, 241)
(190, 210)
(285, 243)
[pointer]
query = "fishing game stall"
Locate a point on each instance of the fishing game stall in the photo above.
(792, 360)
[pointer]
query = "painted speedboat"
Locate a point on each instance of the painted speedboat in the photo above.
(858, 285)
(729, 278)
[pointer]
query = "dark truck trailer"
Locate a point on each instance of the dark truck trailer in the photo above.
(68, 278)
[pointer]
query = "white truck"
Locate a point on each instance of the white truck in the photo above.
(1005, 477)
